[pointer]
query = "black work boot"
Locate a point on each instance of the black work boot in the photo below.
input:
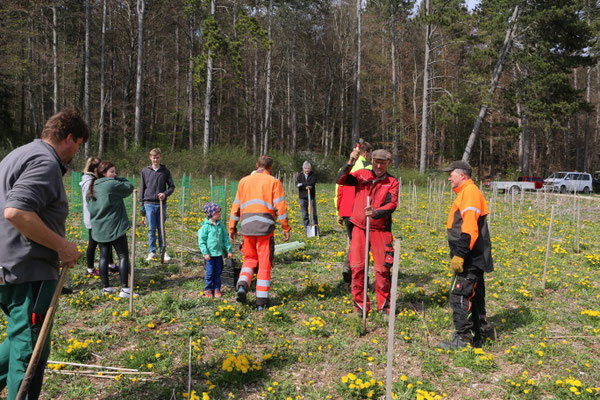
(241, 294)
(457, 343)
(347, 274)
(263, 307)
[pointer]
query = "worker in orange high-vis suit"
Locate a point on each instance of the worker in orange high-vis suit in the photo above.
(259, 203)
(471, 252)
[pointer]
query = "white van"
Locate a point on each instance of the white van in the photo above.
(569, 182)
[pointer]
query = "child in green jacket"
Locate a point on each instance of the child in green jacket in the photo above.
(213, 241)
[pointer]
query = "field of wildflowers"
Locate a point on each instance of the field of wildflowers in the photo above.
(309, 344)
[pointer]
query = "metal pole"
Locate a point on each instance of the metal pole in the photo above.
(366, 277)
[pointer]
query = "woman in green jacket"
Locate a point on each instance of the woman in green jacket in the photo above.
(109, 222)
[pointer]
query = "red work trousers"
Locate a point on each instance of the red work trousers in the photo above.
(383, 257)
(257, 251)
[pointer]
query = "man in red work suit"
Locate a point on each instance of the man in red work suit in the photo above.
(382, 190)
(471, 252)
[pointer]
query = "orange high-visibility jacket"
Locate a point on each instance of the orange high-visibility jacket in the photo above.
(468, 234)
(259, 201)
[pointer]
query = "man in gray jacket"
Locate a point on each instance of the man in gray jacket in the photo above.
(34, 209)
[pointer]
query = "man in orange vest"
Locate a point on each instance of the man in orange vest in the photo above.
(471, 252)
(258, 203)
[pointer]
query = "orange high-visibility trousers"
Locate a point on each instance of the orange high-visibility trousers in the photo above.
(257, 250)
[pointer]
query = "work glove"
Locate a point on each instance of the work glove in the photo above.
(143, 211)
(340, 222)
(456, 265)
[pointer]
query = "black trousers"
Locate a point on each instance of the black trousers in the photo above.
(122, 250)
(467, 300)
(90, 253)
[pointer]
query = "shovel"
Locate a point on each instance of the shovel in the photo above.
(162, 233)
(311, 229)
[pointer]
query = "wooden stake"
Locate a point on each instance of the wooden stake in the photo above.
(366, 277)
(548, 248)
(578, 223)
(392, 322)
(92, 366)
(133, 237)
(162, 233)
(189, 387)
(182, 217)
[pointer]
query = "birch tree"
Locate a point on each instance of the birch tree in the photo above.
(141, 5)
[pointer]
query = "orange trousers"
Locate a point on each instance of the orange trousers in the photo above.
(258, 251)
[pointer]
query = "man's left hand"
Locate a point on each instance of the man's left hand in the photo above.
(456, 265)
(369, 212)
(286, 236)
(161, 196)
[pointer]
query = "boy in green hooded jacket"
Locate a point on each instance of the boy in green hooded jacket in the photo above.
(213, 240)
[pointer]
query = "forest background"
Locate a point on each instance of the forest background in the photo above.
(511, 85)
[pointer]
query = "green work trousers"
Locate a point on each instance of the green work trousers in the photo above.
(25, 306)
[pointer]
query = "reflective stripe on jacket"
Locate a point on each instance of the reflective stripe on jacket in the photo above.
(468, 234)
(258, 203)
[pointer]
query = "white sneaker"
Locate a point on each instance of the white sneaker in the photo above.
(125, 292)
(150, 256)
(109, 290)
(167, 258)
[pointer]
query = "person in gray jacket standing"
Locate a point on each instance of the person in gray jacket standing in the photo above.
(34, 209)
(155, 186)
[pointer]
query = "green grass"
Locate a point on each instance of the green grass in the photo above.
(310, 339)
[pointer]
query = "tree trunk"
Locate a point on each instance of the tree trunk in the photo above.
(356, 106)
(394, 83)
(255, 106)
(207, 95)
(86, 89)
(54, 61)
(34, 121)
(141, 4)
(293, 126)
(508, 39)
(267, 121)
(425, 108)
(190, 87)
(177, 84)
(102, 83)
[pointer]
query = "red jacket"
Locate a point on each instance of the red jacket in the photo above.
(344, 199)
(383, 192)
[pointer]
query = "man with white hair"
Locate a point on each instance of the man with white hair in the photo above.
(305, 182)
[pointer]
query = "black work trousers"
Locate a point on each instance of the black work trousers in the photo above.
(467, 299)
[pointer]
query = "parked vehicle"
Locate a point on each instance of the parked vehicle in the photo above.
(512, 187)
(569, 182)
(537, 180)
